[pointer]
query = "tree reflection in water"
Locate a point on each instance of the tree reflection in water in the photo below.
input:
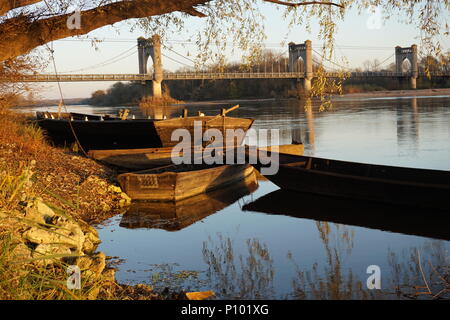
(417, 273)
(239, 277)
(332, 281)
(424, 273)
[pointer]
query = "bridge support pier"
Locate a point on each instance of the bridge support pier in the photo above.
(413, 83)
(307, 85)
(303, 51)
(151, 48)
(157, 89)
(410, 54)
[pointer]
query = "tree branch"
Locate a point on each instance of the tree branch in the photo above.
(20, 35)
(8, 5)
(307, 3)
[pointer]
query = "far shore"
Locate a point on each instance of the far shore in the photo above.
(398, 93)
(360, 95)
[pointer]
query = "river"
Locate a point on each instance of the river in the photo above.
(283, 251)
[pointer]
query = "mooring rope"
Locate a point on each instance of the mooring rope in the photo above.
(63, 101)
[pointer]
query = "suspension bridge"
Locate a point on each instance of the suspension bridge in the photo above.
(287, 69)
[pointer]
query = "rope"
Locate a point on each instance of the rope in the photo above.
(60, 89)
(63, 102)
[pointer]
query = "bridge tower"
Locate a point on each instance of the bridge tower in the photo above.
(151, 48)
(401, 54)
(304, 51)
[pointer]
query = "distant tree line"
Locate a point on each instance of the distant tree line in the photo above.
(196, 90)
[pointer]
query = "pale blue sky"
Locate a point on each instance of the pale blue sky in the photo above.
(354, 40)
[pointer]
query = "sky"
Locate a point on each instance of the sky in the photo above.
(359, 38)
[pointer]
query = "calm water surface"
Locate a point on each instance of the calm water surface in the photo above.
(279, 248)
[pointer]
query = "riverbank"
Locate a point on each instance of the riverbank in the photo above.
(398, 93)
(50, 198)
(360, 95)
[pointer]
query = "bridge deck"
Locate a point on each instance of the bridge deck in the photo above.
(200, 76)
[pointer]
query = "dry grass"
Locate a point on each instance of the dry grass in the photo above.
(29, 168)
(66, 179)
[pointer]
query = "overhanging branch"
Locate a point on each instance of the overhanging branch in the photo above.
(306, 3)
(8, 5)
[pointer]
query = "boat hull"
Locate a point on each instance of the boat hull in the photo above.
(109, 133)
(174, 216)
(395, 185)
(95, 134)
(174, 183)
(220, 124)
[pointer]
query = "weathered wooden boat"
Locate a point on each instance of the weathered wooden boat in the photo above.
(389, 184)
(354, 212)
(135, 159)
(142, 159)
(177, 182)
(296, 149)
(109, 132)
(174, 216)
(98, 132)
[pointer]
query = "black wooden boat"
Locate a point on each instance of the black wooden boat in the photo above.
(96, 132)
(396, 185)
(354, 212)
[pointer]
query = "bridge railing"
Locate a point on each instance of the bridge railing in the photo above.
(203, 76)
(233, 75)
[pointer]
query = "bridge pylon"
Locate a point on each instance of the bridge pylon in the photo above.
(151, 48)
(402, 54)
(304, 51)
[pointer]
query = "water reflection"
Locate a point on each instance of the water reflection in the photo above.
(160, 112)
(306, 246)
(421, 272)
(332, 281)
(239, 276)
(408, 127)
(405, 220)
(250, 273)
(310, 127)
(175, 216)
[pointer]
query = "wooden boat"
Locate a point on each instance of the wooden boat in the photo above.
(135, 159)
(97, 132)
(295, 149)
(386, 217)
(177, 182)
(141, 159)
(222, 124)
(396, 185)
(174, 216)
(109, 132)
